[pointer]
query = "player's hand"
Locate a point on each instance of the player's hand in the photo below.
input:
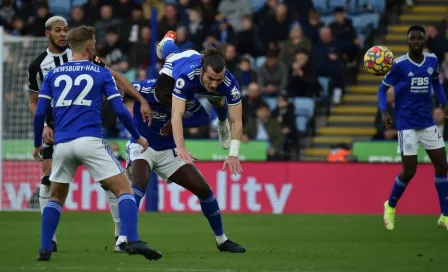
(146, 112)
(185, 155)
(167, 129)
(37, 152)
(386, 119)
(48, 135)
(143, 142)
(234, 165)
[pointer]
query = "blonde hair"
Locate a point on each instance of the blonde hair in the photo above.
(78, 36)
(50, 22)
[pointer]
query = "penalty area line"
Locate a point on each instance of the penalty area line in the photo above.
(131, 269)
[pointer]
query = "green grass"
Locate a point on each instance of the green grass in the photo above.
(274, 243)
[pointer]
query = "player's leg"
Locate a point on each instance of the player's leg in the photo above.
(96, 155)
(166, 47)
(44, 189)
(187, 176)
(223, 126)
(64, 167)
(112, 201)
(408, 147)
(433, 142)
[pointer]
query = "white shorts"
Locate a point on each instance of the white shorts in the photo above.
(167, 68)
(429, 138)
(92, 152)
(164, 162)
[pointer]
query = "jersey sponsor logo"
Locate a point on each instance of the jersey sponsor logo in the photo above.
(235, 93)
(420, 81)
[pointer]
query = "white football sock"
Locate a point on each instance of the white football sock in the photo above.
(221, 239)
(112, 200)
(44, 197)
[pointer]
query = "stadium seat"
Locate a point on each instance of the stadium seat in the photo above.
(302, 124)
(377, 5)
(321, 6)
(304, 106)
(336, 4)
(271, 101)
(327, 19)
(77, 3)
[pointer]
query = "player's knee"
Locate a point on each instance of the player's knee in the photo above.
(204, 190)
(140, 181)
(46, 167)
(45, 180)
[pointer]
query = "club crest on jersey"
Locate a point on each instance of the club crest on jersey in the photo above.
(137, 87)
(180, 83)
(235, 93)
(430, 71)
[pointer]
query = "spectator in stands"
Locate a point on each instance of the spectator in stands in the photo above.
(224, 31)
(7, 11)
(27, 11)
(273, 75)
(285, 115)
(208, 10)
(443, 27)
(113, 50)
(251, 101)
(141, 74)
(106, 22)
(278, 28)
(435, 42)
(381, 132)
(77, 18)
(341, 153)
(245, 74)
(327, 60)
(196, 29)
(345, 35)
(248, 40)
(130, 28)
(129, 72)
(38, 25)
(19, 28)
(170, 21)
(296, 41)
(302, 80)
(311, 28)
(140, 51)
(123, 8)
(181, 40)
(231, 58)
(234, 10)
(267, 128)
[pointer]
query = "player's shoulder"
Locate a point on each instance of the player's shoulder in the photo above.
(35, 65)
(145, 85)
(431, 58)
(402, 60)
(229, 81)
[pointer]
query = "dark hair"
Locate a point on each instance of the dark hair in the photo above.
(272, 54)
(164, 89)
(302, 51)
(339, 10)
(263, 105)
(215, 58)
(416, 28)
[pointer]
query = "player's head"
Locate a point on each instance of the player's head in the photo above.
(164, 90)
(213, 67)
(82, 40)
(416, 38)
(56, 29)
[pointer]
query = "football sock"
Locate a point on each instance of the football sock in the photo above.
(169, 47)
(128, 215)
(113, 206)
(138, 195)
(50, 221)
(397, 192)
(442, 190)
(221, 113)
(44, 197)
(210, 209)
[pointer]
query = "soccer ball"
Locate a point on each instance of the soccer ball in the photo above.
(378, 60)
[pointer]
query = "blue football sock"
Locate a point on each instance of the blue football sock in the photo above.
(50, 221)
(169, 47)
(128, 216)
(397, 192)
(210, 209)
(221, 113)
(122, 229)
(138, 195)
(442, 190)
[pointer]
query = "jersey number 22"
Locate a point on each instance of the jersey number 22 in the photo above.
(79, 101)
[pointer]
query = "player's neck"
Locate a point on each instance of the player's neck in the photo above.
(56, 50)
(416, 57)
(80, 56)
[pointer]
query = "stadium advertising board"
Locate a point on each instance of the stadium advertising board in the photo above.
(204, 150)
(386, 152)
(321, 188)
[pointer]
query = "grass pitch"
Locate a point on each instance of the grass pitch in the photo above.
(274, 243)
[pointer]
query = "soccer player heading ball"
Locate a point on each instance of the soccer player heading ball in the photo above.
(413, 76)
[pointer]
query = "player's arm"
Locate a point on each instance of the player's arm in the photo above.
(33, 89)
(43, 104)
(235, 117)
(437, 87)
(124, 85)
(389, 81)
